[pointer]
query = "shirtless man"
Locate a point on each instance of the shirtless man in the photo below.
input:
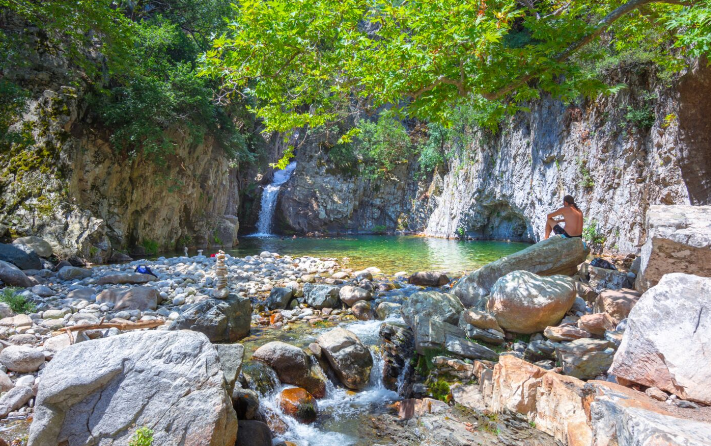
(572, 217)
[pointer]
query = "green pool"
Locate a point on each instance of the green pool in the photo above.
(389, 253)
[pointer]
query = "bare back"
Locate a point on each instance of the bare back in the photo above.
(573, 219)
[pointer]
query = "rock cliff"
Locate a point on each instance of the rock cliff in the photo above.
(617, 155)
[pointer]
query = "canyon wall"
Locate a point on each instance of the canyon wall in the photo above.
(647, 144)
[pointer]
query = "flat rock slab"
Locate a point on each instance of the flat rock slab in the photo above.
(678, 241)
(557, 255)
(221, 320)
(136, 298)
(125, 278)
(667, 343)
(100, 392)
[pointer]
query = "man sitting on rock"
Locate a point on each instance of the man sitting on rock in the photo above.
(572, 217)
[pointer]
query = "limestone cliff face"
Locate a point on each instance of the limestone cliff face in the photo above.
(648, 144)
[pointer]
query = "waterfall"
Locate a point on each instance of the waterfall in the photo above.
(269, 200)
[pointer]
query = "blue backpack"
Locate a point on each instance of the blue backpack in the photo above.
(143, 269)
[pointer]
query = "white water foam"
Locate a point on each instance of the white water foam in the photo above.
(269, 200)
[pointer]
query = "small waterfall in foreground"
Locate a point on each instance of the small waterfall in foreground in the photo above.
(269, 200)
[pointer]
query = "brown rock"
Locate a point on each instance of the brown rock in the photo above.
(298, 403)
(362, 311)
(565, 333)
(657, 394)
(415, 408)
(482, 320)
(616, 303)
(597, 323)
(428, 278)
(292, 366)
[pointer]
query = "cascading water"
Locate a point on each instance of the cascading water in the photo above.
(340, 411)
(269, 199)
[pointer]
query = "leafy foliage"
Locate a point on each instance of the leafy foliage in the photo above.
(18, 303)
(142, 437)
(302, 60)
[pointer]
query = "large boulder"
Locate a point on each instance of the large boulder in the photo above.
(279, 298)
(667, 343)
(616, 303)
(125, 278)
(433, 304)
(36, 244)
(21, 358)
(221, 320)
(13, 276)
(585, 358)
(101, 392)
(253, 433)
(292, 366)
(433, 334)
(321, 296)
(428, 278)
(351, 294)
(678, 241)
(523, 302)
(135, 298)
(20, 258)
(556, 255)
(349, 358)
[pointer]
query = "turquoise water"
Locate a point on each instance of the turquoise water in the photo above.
(389, 253)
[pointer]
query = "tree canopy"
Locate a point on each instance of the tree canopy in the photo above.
(306, 61)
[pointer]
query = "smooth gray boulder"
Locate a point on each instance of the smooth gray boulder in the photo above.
(349, 358)
(125, 278)
(33, 243)
(19, 257)
(434, 334)
(441, 306)
(100, 392)
(13, 276)
(678, 241)
(523, 302)
(321, 296)
(21, 358)
(351, 294)
(667, 343)
(231, 357)
(136, 298)
(557, 255)
(14, 399)
(73, 273)
(221, 320)
(585, 358)
(428, 278)
(279, 298)
(292, 366)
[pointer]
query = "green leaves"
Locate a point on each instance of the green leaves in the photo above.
(304, 59)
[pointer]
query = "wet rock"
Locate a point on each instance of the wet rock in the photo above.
(585, 358)
(22, 359)
(428, 278)
(36, 244)
(387, 309)
(292, 366)
(321, 296)
(678, 241)
(73, 273)
(597, 323)
(523, 302)
(556, 255)
(125, 278)
(20, 258)
(253, 433)
(246, 403)
(362, 311)
(14, 399)
(221, 320)
(279, 298)
(616, 303)
(441, 306)
(13, 276)
(666, 343)
(363, 275)
(398, 350)
(170, 381)
(351, 294)
(135, 298)
(259, 377)
(565, 333)
(349, 358)
(298, 403)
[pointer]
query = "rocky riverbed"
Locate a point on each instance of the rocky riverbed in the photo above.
(543, 346)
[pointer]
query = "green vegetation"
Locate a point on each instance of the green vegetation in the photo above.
(142, 437)
(424, 362)
(593, 235)
(17, 303)
(306, 62)
(150, 246)
(586, 179)
(642, 118)
(439, 390)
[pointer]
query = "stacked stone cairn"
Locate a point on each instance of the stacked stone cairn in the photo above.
(221, 290)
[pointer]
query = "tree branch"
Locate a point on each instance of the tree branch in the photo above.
(601, 27)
